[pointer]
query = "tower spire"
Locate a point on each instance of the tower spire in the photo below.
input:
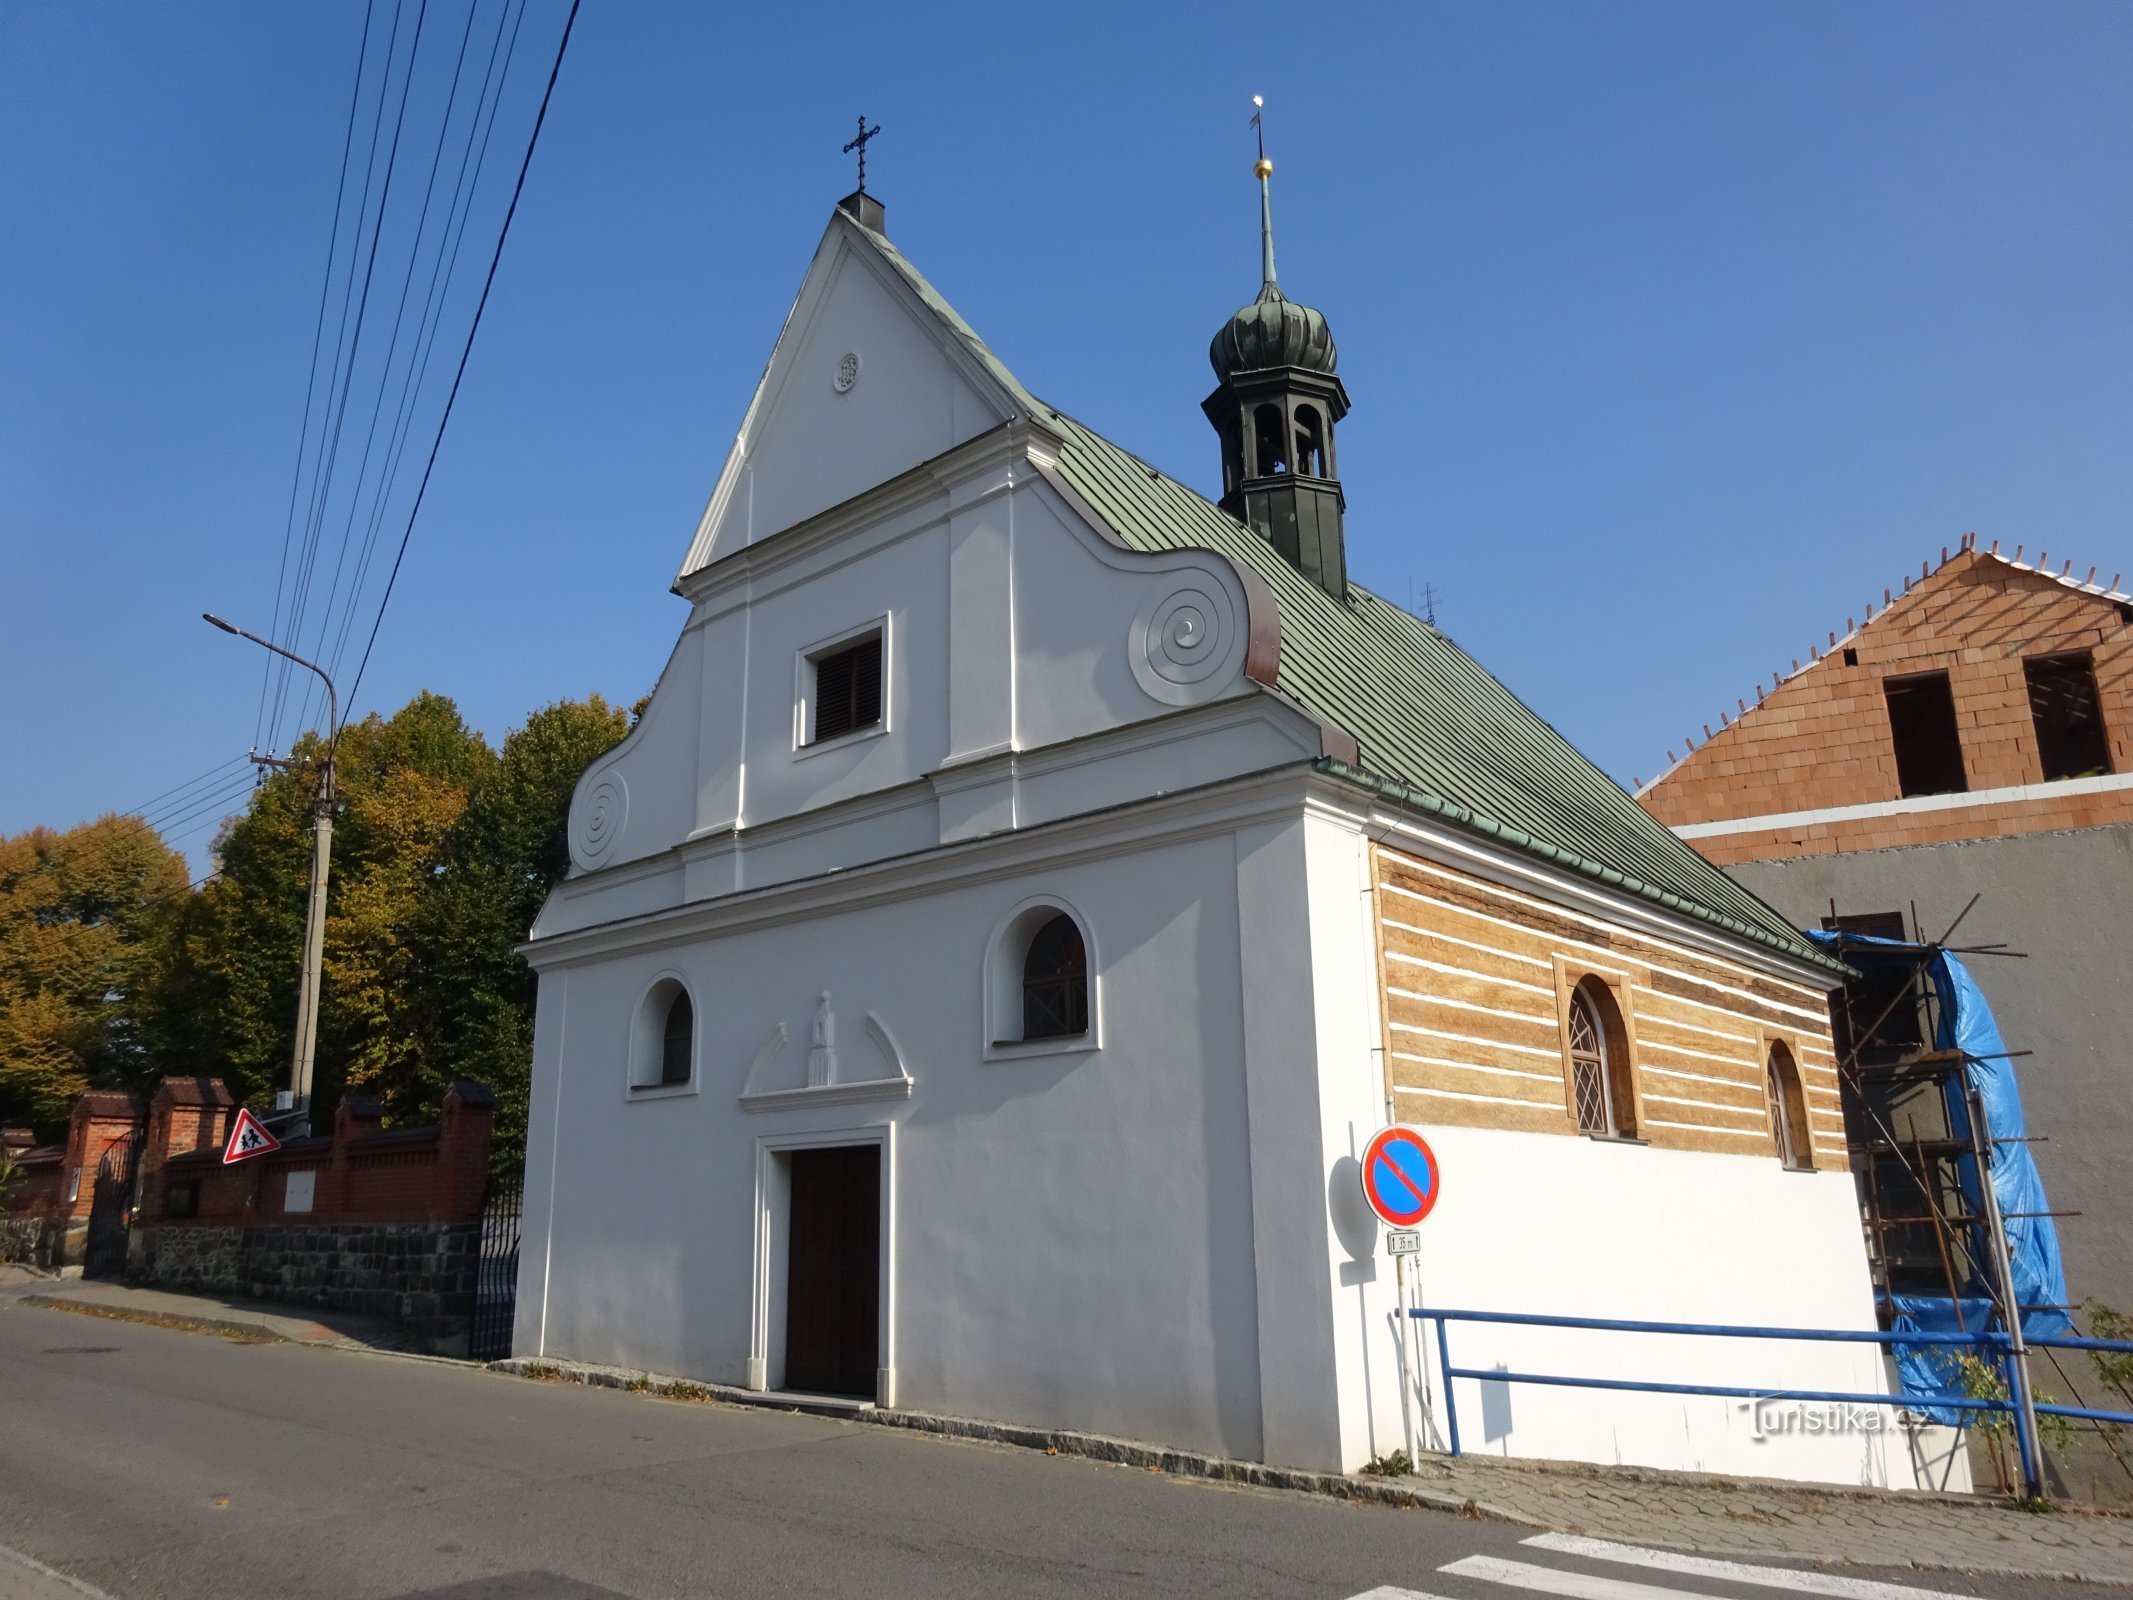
(1265, 171)
(1277, 400)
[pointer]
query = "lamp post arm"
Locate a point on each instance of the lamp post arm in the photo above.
(333, 698)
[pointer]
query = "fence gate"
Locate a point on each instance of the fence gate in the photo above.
(104, 1251)
(496, 1272)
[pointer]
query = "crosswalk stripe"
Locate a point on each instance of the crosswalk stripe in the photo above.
(48, 1580)
(1824, 1583)
(1574, 1585)
(1386, 1591)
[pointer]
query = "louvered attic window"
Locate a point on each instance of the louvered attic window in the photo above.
(847, 694)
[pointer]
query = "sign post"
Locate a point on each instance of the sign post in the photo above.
(1400, 1185)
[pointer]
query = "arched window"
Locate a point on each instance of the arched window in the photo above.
(663, 1039)
(677, 1042)
(1310, 443)
(1055, 982)
(1270, 442)
(1041, 982)
(1601, 1088)
(1788, 1110)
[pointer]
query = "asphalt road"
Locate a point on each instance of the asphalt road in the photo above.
(140, 1461)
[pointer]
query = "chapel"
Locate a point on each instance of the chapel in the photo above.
(1032, 883)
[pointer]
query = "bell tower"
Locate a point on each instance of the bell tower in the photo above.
(1276, 404)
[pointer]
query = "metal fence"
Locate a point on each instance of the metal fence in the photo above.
(111, 1208)
(496, 1271)
(1994, 1346)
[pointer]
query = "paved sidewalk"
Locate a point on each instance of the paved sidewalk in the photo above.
(209, 1313)
(1700, 1512)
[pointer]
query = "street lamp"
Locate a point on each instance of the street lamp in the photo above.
(321, 859)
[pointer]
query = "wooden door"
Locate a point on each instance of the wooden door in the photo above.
(833, 1270)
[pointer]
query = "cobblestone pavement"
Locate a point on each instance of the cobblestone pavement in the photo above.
(1760, 1518)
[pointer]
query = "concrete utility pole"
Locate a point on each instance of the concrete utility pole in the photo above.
(315, 908)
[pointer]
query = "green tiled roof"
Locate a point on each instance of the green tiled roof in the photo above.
(1436, 731)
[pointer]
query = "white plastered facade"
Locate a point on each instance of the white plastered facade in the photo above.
(1154, 1230)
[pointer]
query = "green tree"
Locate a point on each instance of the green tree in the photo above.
(226, 1002)
(405, 784)
(80, 914)
(470, 998)
(223, 1000)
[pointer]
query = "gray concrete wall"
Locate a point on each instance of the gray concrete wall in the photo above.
(2067, 899)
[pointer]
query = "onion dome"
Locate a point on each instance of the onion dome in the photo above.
(1273, 331)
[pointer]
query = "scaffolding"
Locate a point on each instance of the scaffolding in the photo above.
(1922, 1147)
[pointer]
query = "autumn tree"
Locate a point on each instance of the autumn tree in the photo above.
(80, 913)
(226, 1001)
(443, 851)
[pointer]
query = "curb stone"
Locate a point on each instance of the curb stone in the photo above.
(177, 1321)
(1559, 1478)
(1056, 1441)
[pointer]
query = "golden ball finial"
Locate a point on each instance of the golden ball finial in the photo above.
(1262, 168)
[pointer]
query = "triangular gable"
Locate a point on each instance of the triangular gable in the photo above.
(1448, 735)
(866, 381)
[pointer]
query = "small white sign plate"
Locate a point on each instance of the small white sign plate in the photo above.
(1403, 1242)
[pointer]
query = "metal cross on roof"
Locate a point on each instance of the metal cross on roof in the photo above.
(860, 144)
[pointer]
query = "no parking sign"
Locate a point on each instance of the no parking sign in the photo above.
(1400, 1177)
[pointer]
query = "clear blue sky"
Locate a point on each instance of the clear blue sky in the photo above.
(1674, 331)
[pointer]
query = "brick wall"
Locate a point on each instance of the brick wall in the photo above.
(1821, 740)
(28, 1230)
(391, 1225)
(382, 1223)
(47, 1213)
(357, 1173)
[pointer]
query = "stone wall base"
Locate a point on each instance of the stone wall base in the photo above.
(34, 1241)
(420, 1275)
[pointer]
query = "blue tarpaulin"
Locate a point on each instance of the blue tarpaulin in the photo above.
(1966, 1024)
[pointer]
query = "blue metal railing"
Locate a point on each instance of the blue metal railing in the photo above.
(1998, 1343)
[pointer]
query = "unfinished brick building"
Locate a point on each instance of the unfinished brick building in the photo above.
(1972, 735)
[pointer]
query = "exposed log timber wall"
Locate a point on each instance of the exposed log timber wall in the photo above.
(1477, 982)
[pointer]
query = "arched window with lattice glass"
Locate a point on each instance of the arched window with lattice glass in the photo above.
(1788, 1109)
(1589, 1085)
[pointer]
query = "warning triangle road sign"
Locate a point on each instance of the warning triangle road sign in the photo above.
(248, 1139)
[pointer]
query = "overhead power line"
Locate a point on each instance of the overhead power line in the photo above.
(392, 347)
(323, 479)
(320, 607)
(152, 800)
(443, 270)
(181, 812)
(298, 573)
(488, 282)
(318, 335)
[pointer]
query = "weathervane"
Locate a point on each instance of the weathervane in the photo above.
(860, 144)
